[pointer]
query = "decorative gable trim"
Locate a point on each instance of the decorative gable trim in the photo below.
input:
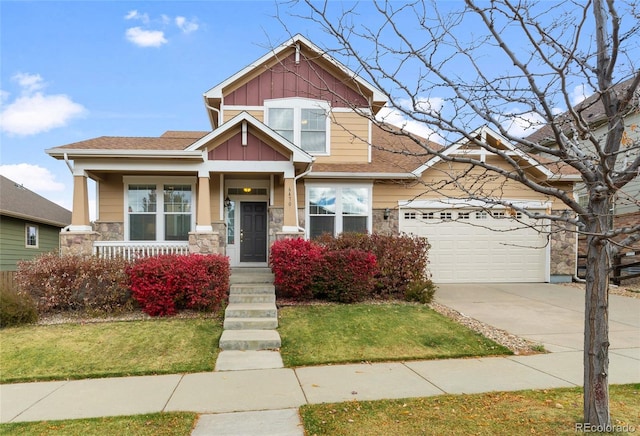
(297, 154)
(483, 133)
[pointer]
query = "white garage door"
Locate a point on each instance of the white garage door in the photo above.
(478, 246)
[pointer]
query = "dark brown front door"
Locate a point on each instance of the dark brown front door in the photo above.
(253, 232)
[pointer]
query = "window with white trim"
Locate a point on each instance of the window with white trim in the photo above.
(31, 236)
(302, 121)
(338, 209)
(159, 211)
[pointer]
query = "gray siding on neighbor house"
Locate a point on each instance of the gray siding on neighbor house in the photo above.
(13, 246)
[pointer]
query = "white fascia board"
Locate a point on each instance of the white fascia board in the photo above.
(135, 165)
(241, 166)
(216, 91)
(161, 154)
(566, 178)
(299, 155)
(338, 175)
(455, 203)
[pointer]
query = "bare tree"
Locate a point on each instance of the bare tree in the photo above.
(453, 67)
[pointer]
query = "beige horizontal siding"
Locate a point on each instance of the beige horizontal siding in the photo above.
(111, 198)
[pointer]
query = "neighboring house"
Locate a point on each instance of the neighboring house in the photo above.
(287, 155)
(29, 224)
(626, 209)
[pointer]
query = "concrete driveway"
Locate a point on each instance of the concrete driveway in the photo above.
(544, 313)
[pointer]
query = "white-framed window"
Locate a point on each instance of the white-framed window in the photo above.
(159, 209)
(31, 236)
(336, 209)
(303, 121)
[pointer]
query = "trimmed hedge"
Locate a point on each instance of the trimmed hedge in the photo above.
(162, 285)
(353, 267)
(73, 283)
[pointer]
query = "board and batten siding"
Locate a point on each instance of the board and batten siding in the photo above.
(13, 241)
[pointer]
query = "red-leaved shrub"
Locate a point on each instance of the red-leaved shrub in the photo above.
(74, 283)
(294, 263)
(345, 276)
(162, 285)
(402, 261)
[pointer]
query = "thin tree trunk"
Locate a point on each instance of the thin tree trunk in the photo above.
(596, 329)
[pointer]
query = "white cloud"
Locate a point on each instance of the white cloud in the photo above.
(146, 38)
(396, 117)
(579, 94)
(35, 112)
(33, 177)
(135, 15)
(29, 82)
(522, 125)
(185, 25)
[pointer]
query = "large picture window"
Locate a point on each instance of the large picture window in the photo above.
(302, 121)
(159, 211)
(338, 209)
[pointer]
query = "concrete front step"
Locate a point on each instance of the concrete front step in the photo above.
(252, 278)
(250, 340)
(252, 298)
(236, 360)
(250, 323)
(251, 310)
(255, 288)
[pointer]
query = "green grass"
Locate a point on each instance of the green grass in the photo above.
(545, 412)
(156, 424)
(109, 349)
(319, 334)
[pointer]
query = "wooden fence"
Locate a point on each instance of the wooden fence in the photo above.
(8, 280)
(626, 266)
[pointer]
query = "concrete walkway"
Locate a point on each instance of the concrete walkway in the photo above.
(228, 401)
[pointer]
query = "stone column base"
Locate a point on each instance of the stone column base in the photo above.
(205, 243)
(289, 235)
(77, 243)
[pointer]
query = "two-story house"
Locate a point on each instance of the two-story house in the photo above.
(289, 154)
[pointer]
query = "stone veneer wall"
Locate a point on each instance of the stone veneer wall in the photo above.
(109, 231)
(389, 226)
(205, 243)
(563, 251)
(77, 243)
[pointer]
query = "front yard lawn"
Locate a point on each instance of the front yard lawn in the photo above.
(108, 349)
(332, 333)
(545, 412)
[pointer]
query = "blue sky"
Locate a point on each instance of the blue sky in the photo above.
(75, 70)
(71, 71)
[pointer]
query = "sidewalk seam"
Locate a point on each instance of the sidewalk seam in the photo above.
(40, 400)
(173, 391)
(540, 371)
(304, 394)
(424, 378)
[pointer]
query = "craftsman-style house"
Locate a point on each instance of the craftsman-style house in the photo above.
(289, 155)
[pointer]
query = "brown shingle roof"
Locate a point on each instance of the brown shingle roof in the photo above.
(183, 134)
(19, 202)
(131, 143)
(592, 110)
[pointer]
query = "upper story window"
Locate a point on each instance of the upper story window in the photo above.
(302, 121)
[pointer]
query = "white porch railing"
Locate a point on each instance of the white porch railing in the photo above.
(135, 249)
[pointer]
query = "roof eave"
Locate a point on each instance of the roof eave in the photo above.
(62, 153)
(34, 218)
(351, 175)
